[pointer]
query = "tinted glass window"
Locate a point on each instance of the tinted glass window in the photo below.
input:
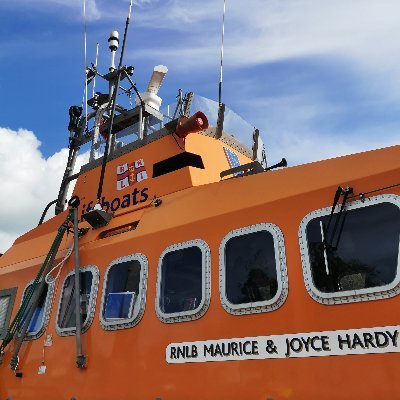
(122, 290)
(38, 315)
(250, 268)
(4, 304)
(363, 252)
(7, 297)
(181, 280)
(67, 318)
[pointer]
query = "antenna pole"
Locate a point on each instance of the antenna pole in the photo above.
(128, 18)
(94, 80)
(85, 62)
(222, 56)
(221, 107)
(113, 102)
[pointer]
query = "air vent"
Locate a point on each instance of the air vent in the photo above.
(179, 161)
(120, 229)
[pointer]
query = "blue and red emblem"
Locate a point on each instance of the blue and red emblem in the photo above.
(129, 174)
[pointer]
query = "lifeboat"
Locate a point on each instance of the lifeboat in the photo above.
(183, 266)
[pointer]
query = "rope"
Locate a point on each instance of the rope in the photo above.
(48, 278)
(50, 281)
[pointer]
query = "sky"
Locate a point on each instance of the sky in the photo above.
(318, 78)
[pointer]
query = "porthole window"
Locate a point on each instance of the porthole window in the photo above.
(354, 255)
(66, 318)
(7, 297)
(124, 292)
(183, 284)
(253, 275)
(41, 314)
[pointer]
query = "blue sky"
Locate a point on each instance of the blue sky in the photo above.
(318, 78)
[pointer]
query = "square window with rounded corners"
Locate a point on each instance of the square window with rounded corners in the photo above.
(66, 319)
(7, 297)
(183, 282)
(253, 274)
(124, 292)
(41, 314)
(354, 255)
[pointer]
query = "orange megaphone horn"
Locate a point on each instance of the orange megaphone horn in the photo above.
(196, 123)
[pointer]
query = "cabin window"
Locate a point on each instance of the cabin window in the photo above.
(183, 287)
(41, 315)
(66, 318)
(7, 297)
(355, 256)
(253, 270)
(124, 292)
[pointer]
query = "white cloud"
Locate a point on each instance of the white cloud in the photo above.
(28, 182)
(92, 9)
(260, 31)
(289, 128)
(308, 147)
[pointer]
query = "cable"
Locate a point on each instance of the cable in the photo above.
(173, 135)
(362, 194)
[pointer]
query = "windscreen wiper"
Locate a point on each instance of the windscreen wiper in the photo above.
(328, 237)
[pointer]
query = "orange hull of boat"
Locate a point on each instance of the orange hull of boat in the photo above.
(131, 363)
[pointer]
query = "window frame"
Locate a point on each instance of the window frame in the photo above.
(348, 296)
(199, 311)
(46, 312)
(138, 310)
(92, 301)
(12, 292)
(281, 272)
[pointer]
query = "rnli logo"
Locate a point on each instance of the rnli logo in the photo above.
(130, 174)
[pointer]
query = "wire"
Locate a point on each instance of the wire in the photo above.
(173, 135)
(362, 194)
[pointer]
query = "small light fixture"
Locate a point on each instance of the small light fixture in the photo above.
(97, 217)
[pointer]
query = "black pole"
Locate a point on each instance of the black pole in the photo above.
(114, 101)
(80, 357)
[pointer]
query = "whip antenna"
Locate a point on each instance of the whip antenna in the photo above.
(113, 104)
(221, 105)
(94, 80)
(84, 97)
(222, 56)
(128, 18)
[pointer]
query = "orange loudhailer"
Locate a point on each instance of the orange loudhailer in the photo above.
(196, 123)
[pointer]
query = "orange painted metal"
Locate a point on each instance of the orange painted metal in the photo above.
(131, 363)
